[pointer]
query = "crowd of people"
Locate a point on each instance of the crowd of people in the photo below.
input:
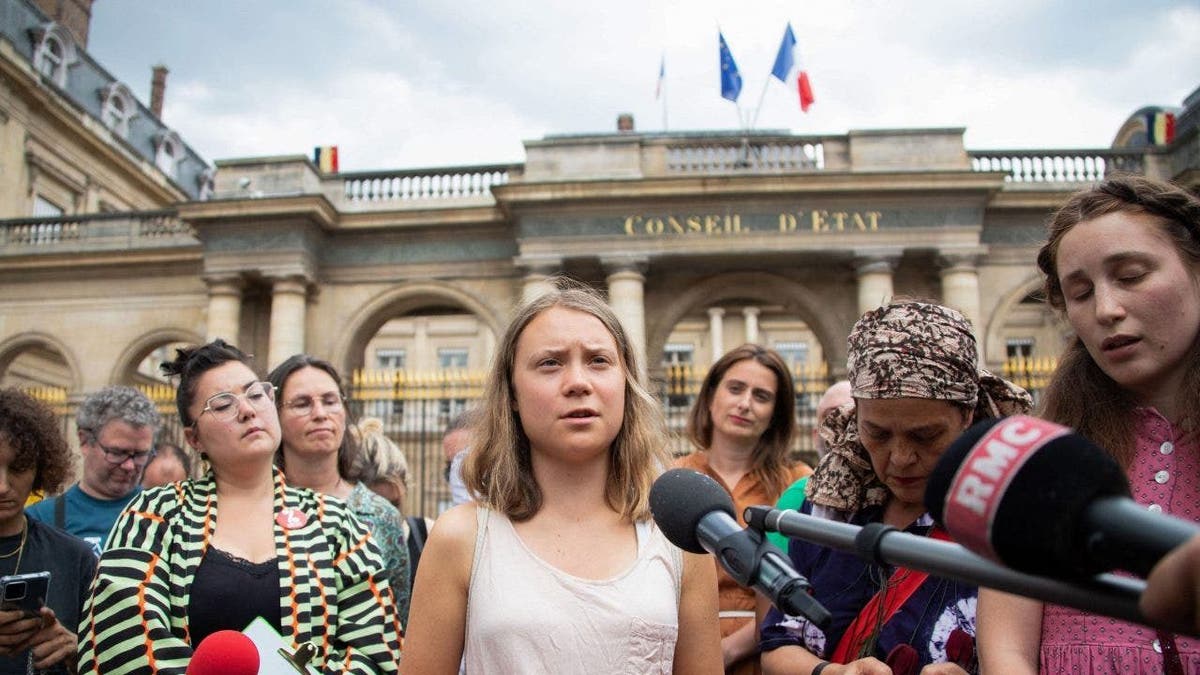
(286, 511)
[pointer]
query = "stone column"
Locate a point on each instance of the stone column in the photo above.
(750, 315)
(289, 296)
(537, 277)
(224, 308)
(716, 330)
(960, 288)
(874, 281)
(627, 297)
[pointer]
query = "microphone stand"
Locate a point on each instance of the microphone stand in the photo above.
(1105, 594)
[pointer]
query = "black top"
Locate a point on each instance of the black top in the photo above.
(71, 564)
(229, 592)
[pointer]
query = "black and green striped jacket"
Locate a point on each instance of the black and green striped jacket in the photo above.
(334, 592)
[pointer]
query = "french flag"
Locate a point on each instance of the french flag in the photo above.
(788, 67)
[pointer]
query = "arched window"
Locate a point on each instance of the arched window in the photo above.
(117, 107)
(168, 151)
(53, 52)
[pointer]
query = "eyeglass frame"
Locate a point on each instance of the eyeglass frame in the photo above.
(268, 389)
(312, 403)
(124, 454)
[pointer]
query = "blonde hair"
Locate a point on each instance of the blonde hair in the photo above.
(379, 459)
(499, 468)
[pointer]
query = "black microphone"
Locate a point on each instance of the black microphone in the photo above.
(1039, 498)
(696, 514)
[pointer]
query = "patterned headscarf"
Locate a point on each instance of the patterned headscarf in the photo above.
(905, 349)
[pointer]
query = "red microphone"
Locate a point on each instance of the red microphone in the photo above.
(225, 652)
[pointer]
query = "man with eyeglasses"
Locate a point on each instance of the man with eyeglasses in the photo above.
(116, 426)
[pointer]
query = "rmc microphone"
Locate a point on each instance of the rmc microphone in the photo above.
(1039, 498)
(696, 514)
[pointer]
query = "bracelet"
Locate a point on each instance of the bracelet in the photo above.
(818, 668)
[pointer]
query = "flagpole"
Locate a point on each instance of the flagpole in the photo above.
(761, 98)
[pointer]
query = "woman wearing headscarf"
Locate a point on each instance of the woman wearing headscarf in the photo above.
(916, 387)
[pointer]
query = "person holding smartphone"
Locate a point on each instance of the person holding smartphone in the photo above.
(36, 634)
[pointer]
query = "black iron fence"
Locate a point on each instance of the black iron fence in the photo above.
(415, 409)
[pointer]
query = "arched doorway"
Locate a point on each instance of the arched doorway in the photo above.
(415, 357)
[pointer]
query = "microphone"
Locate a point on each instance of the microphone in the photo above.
(225, 652)
(696, 514)
(1040, 498)
(1106, 594)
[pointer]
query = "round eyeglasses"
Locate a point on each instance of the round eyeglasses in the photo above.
(303, 406)
(224, 406)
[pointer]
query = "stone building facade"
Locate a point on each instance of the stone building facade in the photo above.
(700, 240)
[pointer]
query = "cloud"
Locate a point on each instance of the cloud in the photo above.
(433, 83)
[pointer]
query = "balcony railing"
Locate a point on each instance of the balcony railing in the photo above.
(454, 183)
(57, 234)
(1057, 166)
(758, 156)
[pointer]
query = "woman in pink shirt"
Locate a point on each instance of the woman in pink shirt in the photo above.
(1123, 263)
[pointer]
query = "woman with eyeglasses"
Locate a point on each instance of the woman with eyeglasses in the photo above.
(318, 454)
(192, 558)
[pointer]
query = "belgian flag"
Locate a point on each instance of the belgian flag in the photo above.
(326, 158)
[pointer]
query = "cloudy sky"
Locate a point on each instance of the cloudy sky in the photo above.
(422, 83)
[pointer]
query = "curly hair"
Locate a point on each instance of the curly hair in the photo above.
(116, 402)
(31, 430)
(499, 467)
(770, 459)
(1080, 394)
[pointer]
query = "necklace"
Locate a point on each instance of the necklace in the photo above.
(20, 549)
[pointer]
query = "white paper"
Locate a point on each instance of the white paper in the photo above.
(269, 642)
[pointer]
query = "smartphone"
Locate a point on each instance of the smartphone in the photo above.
(24, 592)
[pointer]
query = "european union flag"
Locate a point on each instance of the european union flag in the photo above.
(731, 79)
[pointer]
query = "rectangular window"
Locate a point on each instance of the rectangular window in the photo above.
(390, 359)
(678, 353)
(1018, 348)
(44, 208)
(452, 357)
(793, 353)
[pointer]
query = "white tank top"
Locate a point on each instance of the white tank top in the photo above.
(525, 616)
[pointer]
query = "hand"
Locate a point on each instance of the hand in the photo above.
(867, 666)
(16, 630)
(1173, 588)
(53, 643)
(943, 669)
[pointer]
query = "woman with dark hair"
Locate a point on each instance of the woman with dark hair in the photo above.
(237, 545)
(1122, 262)
(916, 387)
(34, 457)
(558, 567)
(742, 425)
(317, 453)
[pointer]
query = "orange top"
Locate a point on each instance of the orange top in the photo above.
(749, 491)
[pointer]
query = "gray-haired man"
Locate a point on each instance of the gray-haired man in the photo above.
(116, 436)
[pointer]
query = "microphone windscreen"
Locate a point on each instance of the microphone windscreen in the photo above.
(1035, 516)
(679, 499)
(225, 652)
(938, 483)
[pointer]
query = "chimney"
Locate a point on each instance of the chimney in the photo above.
(158, 87)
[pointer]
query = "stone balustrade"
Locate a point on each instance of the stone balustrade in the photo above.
(454, 183)
(1057, 166)
(732, 155)
(60, 234)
